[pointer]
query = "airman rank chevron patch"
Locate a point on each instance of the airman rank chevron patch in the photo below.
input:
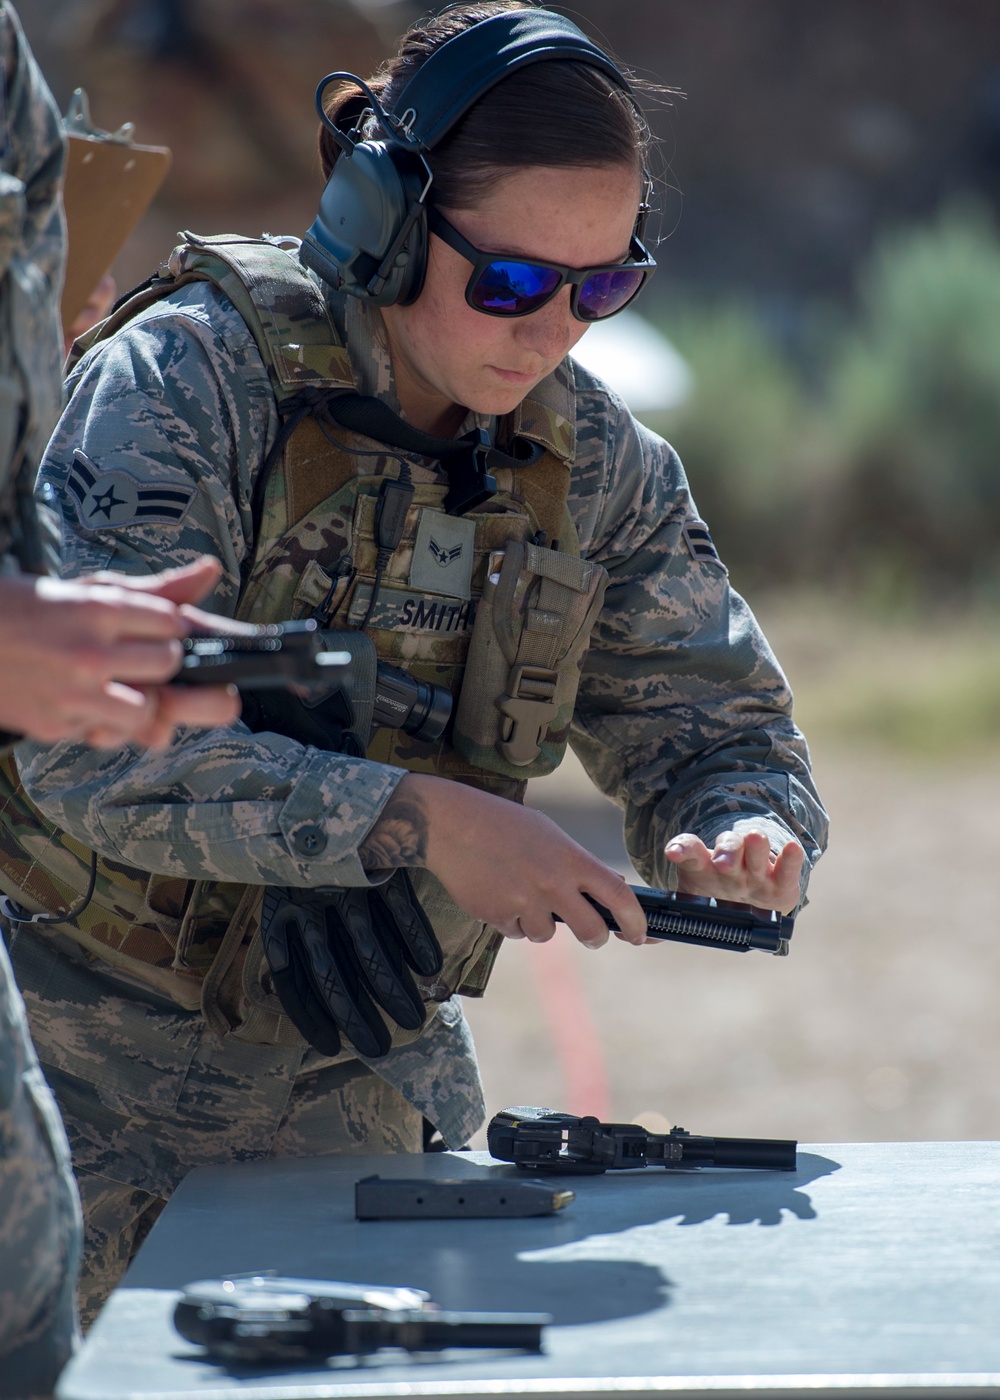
(443, 554)
(107, 500)
(699, 541)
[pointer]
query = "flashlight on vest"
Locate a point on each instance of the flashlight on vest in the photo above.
(419, 708)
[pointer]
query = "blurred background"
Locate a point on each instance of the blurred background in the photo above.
(822, 345)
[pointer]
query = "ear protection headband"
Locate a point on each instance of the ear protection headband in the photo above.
(369, 238)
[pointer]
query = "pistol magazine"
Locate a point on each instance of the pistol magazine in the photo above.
(397, 1198)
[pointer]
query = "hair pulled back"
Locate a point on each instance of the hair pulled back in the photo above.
(555, 113)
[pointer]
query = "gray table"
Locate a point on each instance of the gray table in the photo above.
(874, 1267)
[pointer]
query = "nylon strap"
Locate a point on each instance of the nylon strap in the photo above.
(376, 420)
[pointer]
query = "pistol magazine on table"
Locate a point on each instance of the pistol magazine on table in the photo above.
(712, 923)
(540, 1140)
(260, 1317)
(465, 1198)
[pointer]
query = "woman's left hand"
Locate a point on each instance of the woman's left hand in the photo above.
(740, 868)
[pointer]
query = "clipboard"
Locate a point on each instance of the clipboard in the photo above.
(110, 183)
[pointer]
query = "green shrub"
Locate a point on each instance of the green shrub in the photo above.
(885, 472)
(914, 399)
(745, 438)
(924, 687)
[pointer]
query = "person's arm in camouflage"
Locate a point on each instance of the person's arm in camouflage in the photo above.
(61, 644)
(40, 1228)
(180, 403)
(684, 717)
(32, 151)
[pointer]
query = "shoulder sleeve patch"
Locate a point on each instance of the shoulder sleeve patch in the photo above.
(108, 500)
(699, 542)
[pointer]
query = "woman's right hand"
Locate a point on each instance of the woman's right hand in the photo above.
(504, 864)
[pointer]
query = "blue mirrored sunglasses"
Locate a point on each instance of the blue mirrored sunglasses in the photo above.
(502, 286)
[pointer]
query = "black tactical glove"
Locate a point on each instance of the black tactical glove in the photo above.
(336, 955)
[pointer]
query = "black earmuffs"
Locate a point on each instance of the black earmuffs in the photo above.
(369, 238)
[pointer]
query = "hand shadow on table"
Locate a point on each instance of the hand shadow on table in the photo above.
(692, 1197)
(751, 1198)
(581, 1290)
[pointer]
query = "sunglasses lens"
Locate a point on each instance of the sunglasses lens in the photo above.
(607, 292)
(512, 288)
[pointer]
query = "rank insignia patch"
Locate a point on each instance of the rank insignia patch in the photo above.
(443, 555)
(107, 500)
(699, 542)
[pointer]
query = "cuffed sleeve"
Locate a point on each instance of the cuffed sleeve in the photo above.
(226, 805)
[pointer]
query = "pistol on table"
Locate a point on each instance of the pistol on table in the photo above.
(712, 923)
(540, 1140)
(259, 1317)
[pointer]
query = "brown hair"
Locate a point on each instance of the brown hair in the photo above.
(556, 113)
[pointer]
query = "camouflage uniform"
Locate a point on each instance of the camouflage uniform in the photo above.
(683, 717)
(32, 252)
(40, 1227)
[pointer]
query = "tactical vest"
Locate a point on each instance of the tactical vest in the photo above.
(314, 554)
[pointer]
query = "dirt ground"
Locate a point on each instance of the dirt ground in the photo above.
(881, 1024)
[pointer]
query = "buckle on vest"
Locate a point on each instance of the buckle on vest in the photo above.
(530, 707)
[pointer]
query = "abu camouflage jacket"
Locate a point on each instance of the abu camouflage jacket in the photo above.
(32, 254)
(315, 552)
(682, 715)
